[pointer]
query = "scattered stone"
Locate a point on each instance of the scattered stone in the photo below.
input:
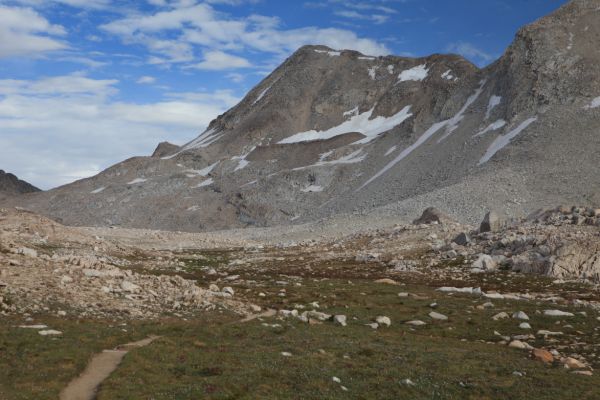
(432, 215)
(416, 322)
(524, 325)
(517, 344)
(386, 281)
(462, 239)
(499, 316)
(383, 320)
(573, 363)
(340, 320)
(558, 313)
(520, 315)
(438, 316)
(484, 263)
(50, 332)
(373, 325)
(286, 354)
(336, 379)
(542, 355)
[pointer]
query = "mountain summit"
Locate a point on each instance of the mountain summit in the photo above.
(333, 132)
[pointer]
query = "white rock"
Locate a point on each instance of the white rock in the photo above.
(524, 325)
(50, 332)
(215, 288)
(558, 313)
(499, 316)
(33, 326)
(438, 316)
(520, 315)
(229, 290)
(416, 322)
(484, 263)
(383, 320)
(129, 287)
(286, 354)
(336, 379)
(27, 252)
(374, 325)
(340, 320)
(517, 344)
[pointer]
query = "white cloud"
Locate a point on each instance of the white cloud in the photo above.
(23, 32)
(173, 34)
(146, 80)
(376, 18)
(59, 129)
(218, 60)
(89, 4)
(470, 51)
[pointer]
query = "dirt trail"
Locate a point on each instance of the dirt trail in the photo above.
(84, 387)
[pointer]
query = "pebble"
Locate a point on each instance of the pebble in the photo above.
(501, 315)
(524, 325)
(542, 355)
(286, 354)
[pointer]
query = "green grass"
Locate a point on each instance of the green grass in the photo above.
(212, 356)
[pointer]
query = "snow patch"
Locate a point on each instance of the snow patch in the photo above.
(329, 53)
(352, 158)
(361, 123)
(242, 163)
(312, 188)
(99, 190)
(351, 113)
(448, 75)
(428, 133)
(201, 172)
(390, 150)
(594, 104)
(455, 121)
(494, 101)
(417, 73)
(366, 58)
(450, 125)
(492, 127)
(207, 138)
(262, 94)
(137, 180)
(501, 141)
(207, 182)
(373, 72)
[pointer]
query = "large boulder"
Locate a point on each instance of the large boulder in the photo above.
(432, 215)
(492, 222)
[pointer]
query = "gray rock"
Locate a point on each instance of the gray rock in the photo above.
(491, 222)
(462, 239)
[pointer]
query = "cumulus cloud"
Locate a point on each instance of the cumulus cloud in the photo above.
(24, 32)
(173, 33)
(58, 129)
(89, 4)
(146, 80)
(218, 60)
(469, 50)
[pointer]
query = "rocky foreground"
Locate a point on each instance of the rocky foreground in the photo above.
(527, 285)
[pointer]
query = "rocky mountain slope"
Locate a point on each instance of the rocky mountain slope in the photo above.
(11, 185)
(332, 132)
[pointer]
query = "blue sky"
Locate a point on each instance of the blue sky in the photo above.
(87, 83)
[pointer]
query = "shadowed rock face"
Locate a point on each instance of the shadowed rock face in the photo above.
(333, 132)
(11, 185)
(165, 149)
